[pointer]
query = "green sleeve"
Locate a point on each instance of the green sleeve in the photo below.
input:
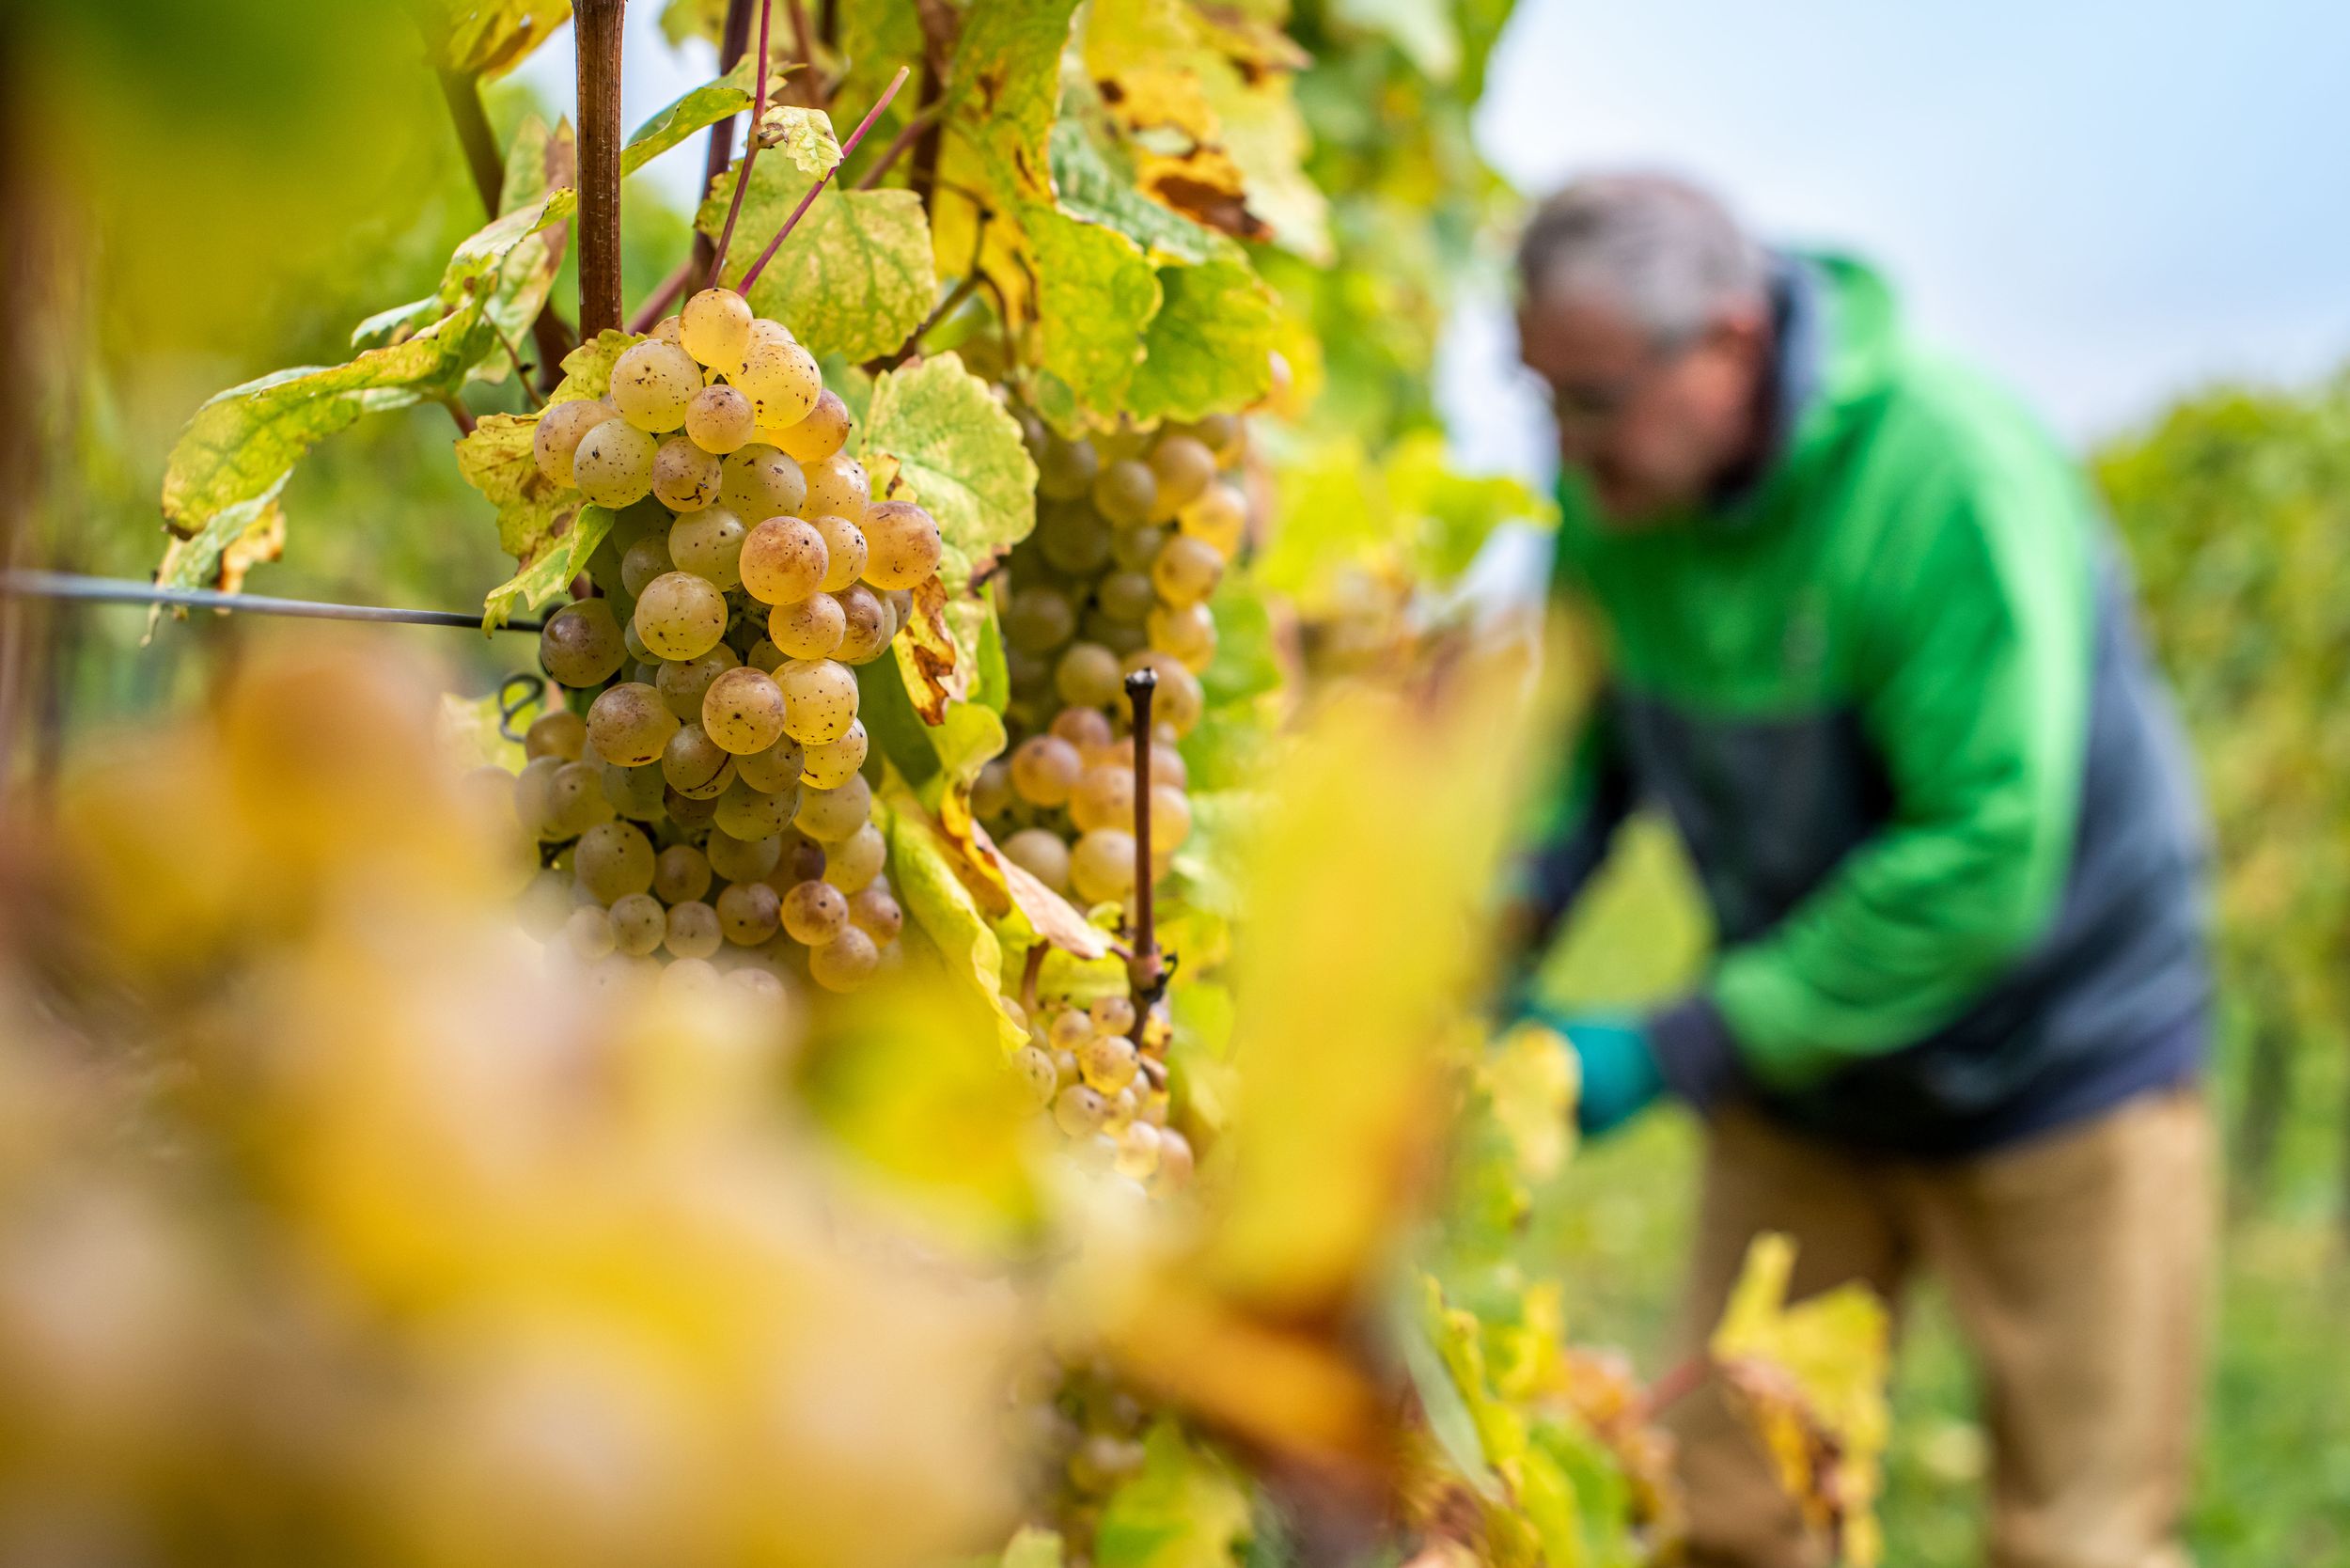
(1973, 669)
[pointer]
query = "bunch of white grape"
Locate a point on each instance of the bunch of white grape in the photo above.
(1105, 1088)
(1133, 532)
(729, 751)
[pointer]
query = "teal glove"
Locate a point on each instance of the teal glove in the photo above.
(1619, 1072)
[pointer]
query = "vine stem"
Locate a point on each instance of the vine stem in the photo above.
(750, 152)
(732, 45)
(1143, 971)
(657, 303)
(825, 179)
(597, 26)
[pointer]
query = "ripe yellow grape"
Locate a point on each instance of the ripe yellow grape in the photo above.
(783, 559)
(651, 384)
(750, 912)
(695, 765)
(679, 614)
(1039, 620)
(576, 799)
(778, 767)
(1112, 1016)
(684, 477)
(1068, 1030)
(635, 792)
(1186, 631)
(683, 682)
(613, 463)
(1166, 765)
(1104, 798)
(1087, 676)
(693, 930)
(646, 559)
(744, 710)
(715, 327)
(1220, 433)
(822, 698)
(829, 816)
(844, 551)
(1066, 469)
(902, 545)
(1107, 1062)
(561, 733)
(691, 814)
(1217, 519)
(1184, 469)
(846, 962)
(1185, 572)
(588, 931)
(670, 331)
(866, 623)
(812, 629)
(679, 873)
(1126, 493)
(1045, 768)
(581, 644)
(709, 543)
(758, 481)
(1102, 865)
(815, 912)
(837, 487)
(1125, 596)
(558, 435)
(825, 432)
(1179, 701)
(628, 723)
(781, 379)
(640, 923)
(748, 813)
(874, 911)
(1083, 726)
(853, 862)
(612, 860)
(1170, 818)
(832, 764)
(1080, 1111)
(742, 859)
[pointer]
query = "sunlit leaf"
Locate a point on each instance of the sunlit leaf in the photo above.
(958, 449)
(854, 278)
(551, 571)
(1185, 1509)
(487, 38)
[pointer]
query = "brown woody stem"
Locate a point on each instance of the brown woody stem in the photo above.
(598, 28)
(825, 179)
(464, 95)
(1143, 971)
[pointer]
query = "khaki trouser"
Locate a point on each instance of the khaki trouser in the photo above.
(2076, 1264)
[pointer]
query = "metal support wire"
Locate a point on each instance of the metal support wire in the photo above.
(73, 585)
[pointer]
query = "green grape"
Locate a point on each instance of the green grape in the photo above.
(651, 384)
(1187, 570)
(680, 874)
(1078, 1110)
(1105, 797)
(613, 463)
(815, 912)
(744, 710)
(844, 552)
(635, 645)
(581, 644)
(693, 930)
(837, 487)
(533, 808)
(852, 864)
(902, 545)
(680, 614)
(822, 698)
(829, 816)
(1107, 1062)
(695, 765)
(748, 813)
(1183, 468)
(1121, 638)
(1088, 676)
(874, 911)
(638, 923)
(778, 767)
(784, 561)
(867, 624)
(588, 931)
(764, 655)
(718, 422)
(576, 799)
(758, 481)
(634, 792)
(613, 859)
(689, 814)
(812, 629)
(1137, 549)
(991, 792)
(1066, 469)
(1217, 519)
(682, 682)
(1036, 1071)
(1186, 631)
(742, 859)
(829, 766)
(1029, 673)
(782, 380)
(685, 478)
(1179, 701)
(628, 723)
(715, 327)
(1170, 818)
(559, 433)
(1102, 865)
(1072, 538)
(1112, 1016)
(1039, 620)
(748, 912)
(560, 733)
(1045, 768)
(1220, 433)
(1039, 853)
(1125, 596)
(1126, 493)
(846, 962)
(825, 432)
(646, 559)
(709, 544)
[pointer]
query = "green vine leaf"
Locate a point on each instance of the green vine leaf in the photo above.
(959, 451)
(488, 37)
(699, 110)
(804, 135)
(552, 573)
(1186, 1508)
(1209, 347)
(856, 277)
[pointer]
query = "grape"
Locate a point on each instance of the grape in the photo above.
(533, 808)
(1036, 1071)
(748, 912)
(679, 614)
(1069, 1029)
(558, 435)
(682, 682)
(576, 799)
(873, 911)
(715, 327)
(764, 988)
(742, 859)
(829, 766)
(822, 698)
(693, 930)
(1107, 1062)
(1166, 765)
(1138, 1150)
(709, 543)
(685, 478)
(635, 646)
(844, 962)
(689, 976)
(670, 331)
(628, 723)
(1039, 620)
(680, 874)
(1187, 632)
(651, 384)
(804, 858)
(1126, 493)
(1219, 433)
(764, 655)
(644, 560)
(783, 560)
(613, 859)
(1065, 469)
(902, 544)
(695, 765)
(1072, 538)
(1217, 519)
(1179, 701)
(1084, 728)
(1187, 570)
(991, 792)
(1112, 1016)
(1078, 1110)
(1102, 865)
(867, 624)
(1125, 596)
(633, 792)
(1183, 468)
(718, 422)
(613, 463)
(837, 487)
(758, 481)
(558, 734)
(1170, 819)
(1105, 797)
(852, 864)
(581, 644)
(1175, 1159)
(781, 379)
(748, 813)
(815, 912)
(829, 816)
(900, 605)
(743, 709)
(778, 767)
(1121, 638)
(825, 432)
(844, 552)
(1045, 768)
(1041, 854)
(690, 814)
(812, 629)
(638, 923)
(588, 931)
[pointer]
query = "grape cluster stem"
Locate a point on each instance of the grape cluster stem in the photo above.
(823, 179)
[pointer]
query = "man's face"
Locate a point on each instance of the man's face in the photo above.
(1653, 427)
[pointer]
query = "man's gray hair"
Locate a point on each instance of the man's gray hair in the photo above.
(1670, 254)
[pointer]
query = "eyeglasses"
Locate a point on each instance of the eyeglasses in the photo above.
(1591, 404)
